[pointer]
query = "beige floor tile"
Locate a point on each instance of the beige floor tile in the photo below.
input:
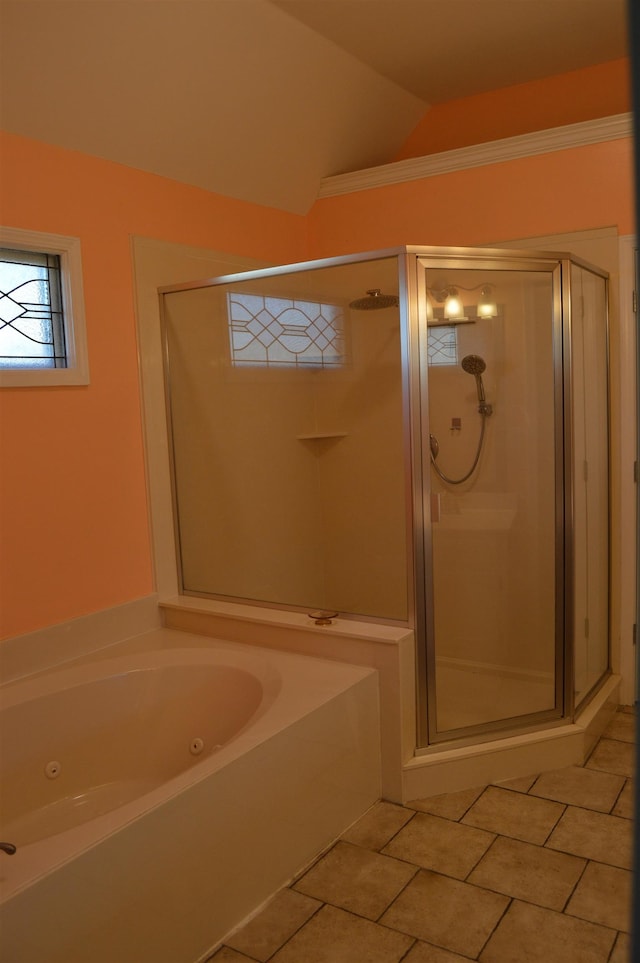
(622, 950)
(606, 839)
(588, 788)
(611, 755)
(333, 936)
(626, 802)
(356, 879)
(528, 872)
(277, 922)
(440, 844)
(427, 953)
(514, 814)
(446, 912)
(622, 727)
(603, 895)
(540, 935)
(377, 826)
(451, 805)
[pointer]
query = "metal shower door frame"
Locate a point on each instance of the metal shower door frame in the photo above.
(428, 736)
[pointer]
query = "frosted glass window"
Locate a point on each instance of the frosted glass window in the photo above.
(31, 318)
(267, 331)
(442, 345)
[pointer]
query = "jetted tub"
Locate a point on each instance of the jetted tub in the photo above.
(158, 797)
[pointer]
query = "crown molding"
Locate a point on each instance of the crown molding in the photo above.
(493, 152)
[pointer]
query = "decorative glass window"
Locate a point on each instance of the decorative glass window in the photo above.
(42, 335)
(442, 345)
(31, 319)
(270, 331)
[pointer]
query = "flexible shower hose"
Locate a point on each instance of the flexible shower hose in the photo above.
(458, 481)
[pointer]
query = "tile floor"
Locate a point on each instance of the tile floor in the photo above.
(534, 870)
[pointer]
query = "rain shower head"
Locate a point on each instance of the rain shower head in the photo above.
(473, 364)
(375, 300)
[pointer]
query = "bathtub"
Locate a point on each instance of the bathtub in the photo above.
(157, 797)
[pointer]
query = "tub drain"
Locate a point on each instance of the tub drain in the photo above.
(196, 746)
(52, 769)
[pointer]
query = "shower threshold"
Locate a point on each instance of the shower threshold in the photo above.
(451, 768)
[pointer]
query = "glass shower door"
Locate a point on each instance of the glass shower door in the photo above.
(491, 469)
(285, 404)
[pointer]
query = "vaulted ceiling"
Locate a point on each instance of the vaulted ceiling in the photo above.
(261, 99)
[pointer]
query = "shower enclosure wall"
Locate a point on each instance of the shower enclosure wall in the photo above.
(416, 436)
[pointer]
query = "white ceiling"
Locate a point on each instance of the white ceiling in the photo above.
(261, 99)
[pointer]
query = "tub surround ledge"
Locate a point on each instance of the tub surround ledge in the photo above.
(387, 648)
(55, 645)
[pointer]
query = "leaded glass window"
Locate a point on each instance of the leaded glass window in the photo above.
(442, 345)
(31, 316)
(271, 331)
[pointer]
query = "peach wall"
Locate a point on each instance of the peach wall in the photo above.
(569, 190)
(76, 454)
(74, 528)
(579, 95)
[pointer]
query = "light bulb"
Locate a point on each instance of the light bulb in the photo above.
(453, 307)
(487, 308)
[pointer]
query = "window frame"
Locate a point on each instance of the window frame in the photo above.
(76, 371)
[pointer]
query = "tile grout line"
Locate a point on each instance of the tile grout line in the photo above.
(302, 925)
(465, 879)
(617, 800)
(405, 955)
(487, 888)
(396, 897)
(396, 833)
(576, 884)
(498, 922)
(553, 828)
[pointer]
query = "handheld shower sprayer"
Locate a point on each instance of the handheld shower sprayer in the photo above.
(473, 364)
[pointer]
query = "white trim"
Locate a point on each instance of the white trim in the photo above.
(493, 152)
(68, 249)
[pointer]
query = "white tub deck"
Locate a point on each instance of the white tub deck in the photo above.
(165, 876)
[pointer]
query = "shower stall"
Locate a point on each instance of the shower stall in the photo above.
(416, 436)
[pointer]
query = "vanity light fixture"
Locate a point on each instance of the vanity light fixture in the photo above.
(452, 310)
